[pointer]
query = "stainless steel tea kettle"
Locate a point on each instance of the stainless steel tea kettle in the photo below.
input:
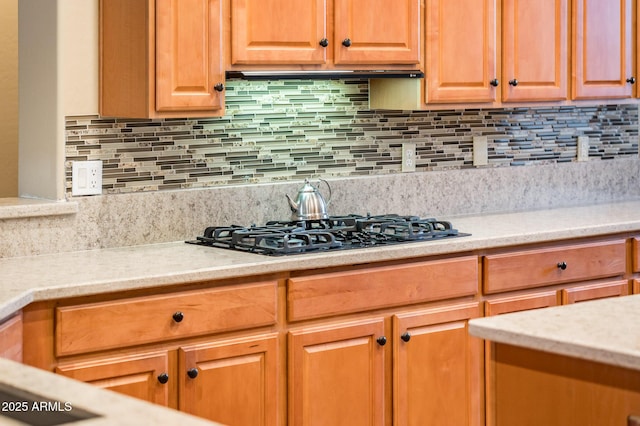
(309, 204)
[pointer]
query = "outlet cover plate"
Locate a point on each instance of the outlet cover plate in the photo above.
(86, 177)
(408, 157)
(583, 148)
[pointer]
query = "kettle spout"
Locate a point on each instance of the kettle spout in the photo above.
(292, 204)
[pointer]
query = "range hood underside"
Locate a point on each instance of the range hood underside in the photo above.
(322, 75)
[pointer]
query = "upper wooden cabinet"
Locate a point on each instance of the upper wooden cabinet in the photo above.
(161, 58)
(602, 49)
(323, 33)
(278, 32)
(534, 50)
(377, 32)
(462, 60)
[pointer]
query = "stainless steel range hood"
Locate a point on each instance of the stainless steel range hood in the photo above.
(322, 75)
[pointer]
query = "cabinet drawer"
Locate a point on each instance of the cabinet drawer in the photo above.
(539, 267)
(115, 324)
(345, 292)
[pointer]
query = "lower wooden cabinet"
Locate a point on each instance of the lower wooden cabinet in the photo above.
(437, 367)
(595, 291)
(339, 373)
(233, 382)
(11, 338)
(148, 375)
(535, 388)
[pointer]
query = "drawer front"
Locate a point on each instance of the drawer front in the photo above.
(134, 321)
(540, 267)
(345, 292)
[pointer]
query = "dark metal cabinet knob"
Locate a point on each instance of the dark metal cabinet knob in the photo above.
(346, 42)
(324, 42)
(381, 340)
(513, 82)
(218, 87)
(163, 378)
(406, 336)
(178, 316)
(192, 373)
(562, 265)
(495, 82)
(631, 80)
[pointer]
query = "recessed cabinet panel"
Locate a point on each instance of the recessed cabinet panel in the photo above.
(377, 31)
(438, 367)
(337, 374)
(233, 382)
(461, 51)
(140, 376)
(273, 32)
(534, 48)
(602, 49)
(595, 291)
(189, 75)
(11, 338)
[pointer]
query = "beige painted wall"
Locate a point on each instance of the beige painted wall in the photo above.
(58, 76)
(9, 98)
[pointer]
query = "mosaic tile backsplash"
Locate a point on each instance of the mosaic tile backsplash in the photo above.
(289, 130)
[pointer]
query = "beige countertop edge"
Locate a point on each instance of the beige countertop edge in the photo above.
(605, 331)
(16, 208)
(112, 408)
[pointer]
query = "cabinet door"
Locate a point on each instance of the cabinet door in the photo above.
(595, 291)
(189, 72)
(140, 375)
(461, 51)
(336, 374)
(278, 32)
(11, 338)
(234, 382)
(438, 370)
(602, 49)
(534, 50)
(377, 31)
(503, 305)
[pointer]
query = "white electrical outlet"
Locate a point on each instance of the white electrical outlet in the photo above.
(86, 177)
(408, 157)
(480, 151)
(583, 148)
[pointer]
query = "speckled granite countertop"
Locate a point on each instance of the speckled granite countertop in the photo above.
(605, 330)
(34, 278)
(27, 279)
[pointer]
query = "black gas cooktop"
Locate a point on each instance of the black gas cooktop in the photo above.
(277, 238)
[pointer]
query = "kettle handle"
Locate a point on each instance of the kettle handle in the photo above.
(328, 186)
